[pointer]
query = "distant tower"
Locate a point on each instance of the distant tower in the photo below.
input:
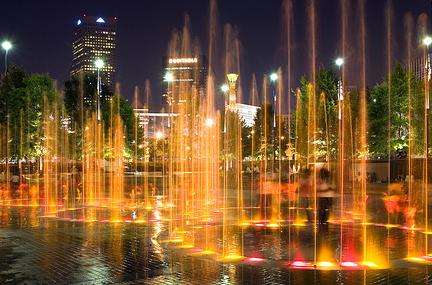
(95, 37)
(232, 93)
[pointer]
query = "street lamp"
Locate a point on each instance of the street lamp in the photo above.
(427, 41)
(99, 64)
(159, 135)
(339, 61)
(6, 46)
(209, 122)
(224, 88)
(274, 76)
(169, 77)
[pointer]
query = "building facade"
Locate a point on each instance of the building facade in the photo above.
(184, 73)
(95, 38)
(154, 122)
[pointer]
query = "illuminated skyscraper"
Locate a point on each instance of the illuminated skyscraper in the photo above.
(191, 71)
(95, 37)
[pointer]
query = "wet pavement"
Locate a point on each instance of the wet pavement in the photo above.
(37, 250)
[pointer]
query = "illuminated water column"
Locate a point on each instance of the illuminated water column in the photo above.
(50, 159)
(116, 145)
(93, 167)
(5, 194)
(232, 190)
(427, 41)
(276, 78)
(208, 162)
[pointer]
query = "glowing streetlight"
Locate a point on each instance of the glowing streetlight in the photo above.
(427, 41)
(209, 122)
(169, 77)
(99, 64)
(159, 135)
(224, 88)
(6, 46)
(339, 61)
(273, 77)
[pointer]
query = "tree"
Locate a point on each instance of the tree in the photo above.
(118, 105)
(81, 94)
(80, 102)
(319, 105)
(23, 98)
(398, 121)
(264, 133)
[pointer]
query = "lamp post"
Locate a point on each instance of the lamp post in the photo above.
(427, 41)
(273, 78)
(339, 63)
(224, 88)
(99, 64)
(6, 46)
(169, 77)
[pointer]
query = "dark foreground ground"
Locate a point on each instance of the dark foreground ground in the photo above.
(35, 250)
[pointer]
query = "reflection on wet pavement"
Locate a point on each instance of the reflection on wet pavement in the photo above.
(47, 251)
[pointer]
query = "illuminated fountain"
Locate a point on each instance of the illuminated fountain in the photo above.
(116, 178)
(232, 176)
(51, 160)
(204, 198)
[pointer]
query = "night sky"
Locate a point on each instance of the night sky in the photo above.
(42, 34)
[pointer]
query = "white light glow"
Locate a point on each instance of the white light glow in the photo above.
(339, 61)
(159, 135)
(6, 45)
(99, 63)
(169, 77)
(427, 41)
(209, 122)
(274, 77)
(100, 20)
(224, 88)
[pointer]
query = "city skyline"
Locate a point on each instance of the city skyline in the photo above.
(145, 29)
(216, 142)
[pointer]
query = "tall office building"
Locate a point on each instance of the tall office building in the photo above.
(95, 37)
(189, 70)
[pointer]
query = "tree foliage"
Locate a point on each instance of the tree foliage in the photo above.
(23, 98)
